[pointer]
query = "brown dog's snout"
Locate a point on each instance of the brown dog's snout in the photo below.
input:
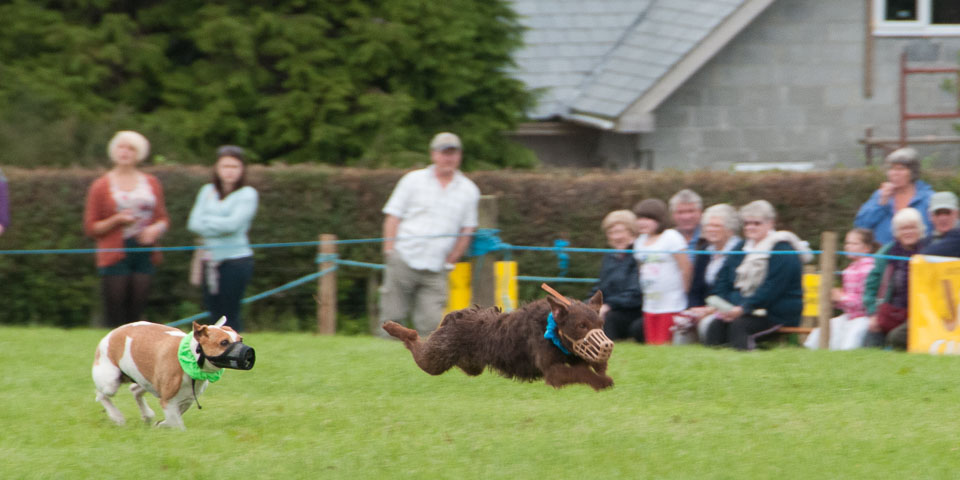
(595, 346)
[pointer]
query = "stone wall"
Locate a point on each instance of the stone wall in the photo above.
(790, 88)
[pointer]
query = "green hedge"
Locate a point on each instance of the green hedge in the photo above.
(298, 203)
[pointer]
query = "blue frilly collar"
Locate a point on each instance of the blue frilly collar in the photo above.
(551, 334)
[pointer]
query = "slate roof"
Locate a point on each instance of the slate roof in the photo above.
(597, 57)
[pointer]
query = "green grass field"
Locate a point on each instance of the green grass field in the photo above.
(357, 407)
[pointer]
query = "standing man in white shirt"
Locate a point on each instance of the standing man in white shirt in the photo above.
(426, 212)
(686, 209)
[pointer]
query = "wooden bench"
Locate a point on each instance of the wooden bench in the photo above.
(795, 330)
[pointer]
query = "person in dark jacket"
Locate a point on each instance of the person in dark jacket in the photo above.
(622, 309)
(945, 238)
(887, 292)
(763, 287)
(720, 224)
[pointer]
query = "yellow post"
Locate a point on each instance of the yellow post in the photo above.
(459, 287)
(506, 291)
(327, 288)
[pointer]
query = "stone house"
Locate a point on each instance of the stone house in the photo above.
(735, 84)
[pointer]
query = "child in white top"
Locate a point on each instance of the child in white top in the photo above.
(664, 270)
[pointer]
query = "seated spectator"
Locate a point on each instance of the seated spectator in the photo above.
(944, 213)
(886, 295)
(622, 310)
(664, 276)
(847, 330)
(720, 225)
(902, 189)
(945, 239)
(763, 287)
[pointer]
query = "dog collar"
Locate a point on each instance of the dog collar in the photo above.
(552, 334)
(189, 363)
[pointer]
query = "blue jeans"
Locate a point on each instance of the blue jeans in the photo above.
(233, 275)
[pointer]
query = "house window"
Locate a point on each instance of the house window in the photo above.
(909, 18)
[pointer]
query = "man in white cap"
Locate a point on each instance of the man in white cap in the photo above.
(944, 213)
(945, 241)
(430, 217)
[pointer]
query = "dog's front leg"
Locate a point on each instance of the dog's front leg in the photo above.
(559, 374)
(171, 415)
(146, 413)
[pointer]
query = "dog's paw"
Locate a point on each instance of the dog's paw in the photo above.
(601, 382)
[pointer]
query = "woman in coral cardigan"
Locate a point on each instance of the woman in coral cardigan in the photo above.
(125, 209)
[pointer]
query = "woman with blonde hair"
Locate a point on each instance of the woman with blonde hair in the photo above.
(125, 209)
(622, 310)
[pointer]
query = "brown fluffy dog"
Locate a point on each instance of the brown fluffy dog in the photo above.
(514, 344)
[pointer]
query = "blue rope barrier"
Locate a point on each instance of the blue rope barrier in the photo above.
(190, 248)
(352, 263)
(254, 298)
(525, 278)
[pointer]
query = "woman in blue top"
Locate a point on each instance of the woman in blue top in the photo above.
(902, 189)
(221, 215)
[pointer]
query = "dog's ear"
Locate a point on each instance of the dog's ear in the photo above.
(596, 301)
(199, 330)
(556, 306)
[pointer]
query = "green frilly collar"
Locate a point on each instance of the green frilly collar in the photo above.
(189, 363)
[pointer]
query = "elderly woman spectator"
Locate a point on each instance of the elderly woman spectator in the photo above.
(902, 189)
(847, 330)
(886, 295)
(622, 310)
(664, 270)
(720, 225)
(763, 287)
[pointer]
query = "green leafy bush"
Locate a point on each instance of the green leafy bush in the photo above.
(300, 202)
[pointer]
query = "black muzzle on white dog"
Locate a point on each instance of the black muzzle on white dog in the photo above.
(237, 356)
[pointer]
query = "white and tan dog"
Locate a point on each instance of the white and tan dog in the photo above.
(172, 365)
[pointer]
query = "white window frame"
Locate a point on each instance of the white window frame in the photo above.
(920, 27)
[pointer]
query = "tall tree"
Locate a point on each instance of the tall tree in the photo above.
(345, 82)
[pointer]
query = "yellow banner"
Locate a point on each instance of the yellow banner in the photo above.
(811, 294)
(932, 317)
